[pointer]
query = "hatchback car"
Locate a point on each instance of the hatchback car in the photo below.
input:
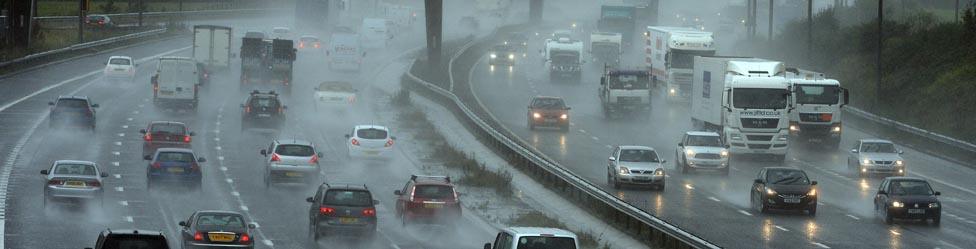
(262, 110)
(702, 151)
(309, 42)
(907, 198)
(876, 156)
(369, 140)
(73, 180)
(502, 55)
(335, 93)
(130, 238)
(783, 188)
(76, 111)
(638, 165)
(290, 160)
(342, 209)
(174, 165)
(216, 229)
(548, 111)
(428, 199)
(165, 134)
(534, 237)
(120, 68)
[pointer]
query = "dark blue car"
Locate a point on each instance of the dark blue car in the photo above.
(73, 111)
(177, 166)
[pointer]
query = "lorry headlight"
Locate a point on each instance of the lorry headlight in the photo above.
(511, 56)
(536, 115)
(897, 204)
(794, 127)
(735, 136)
(866, 161)
(672, 91)
(493, 56)
(624, 171)
(724, 153)
(900, 163)
(835, 129)
(564, 116)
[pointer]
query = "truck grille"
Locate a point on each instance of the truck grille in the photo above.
(707, 156)
(759, 137)
(628, 100)
(759, 146)
(816, 117)
(764, 123)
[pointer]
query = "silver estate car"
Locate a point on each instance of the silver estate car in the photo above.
(699, 150)
(73, 180)
(291, 161)
(638, 165)
(876, 156)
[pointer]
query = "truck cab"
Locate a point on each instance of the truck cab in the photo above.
(563, 57)
(818, 102)
(625, 92)
(534, 237)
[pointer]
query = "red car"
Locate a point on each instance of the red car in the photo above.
(428, 199)
(165, 134)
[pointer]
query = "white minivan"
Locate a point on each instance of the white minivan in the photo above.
(175, 83)
(534, 237)
(374, 33)
(345, 52)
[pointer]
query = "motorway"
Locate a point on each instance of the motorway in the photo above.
(713, 206)
(234, 170)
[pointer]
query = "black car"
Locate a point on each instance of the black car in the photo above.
(216, 229)
(501, 55)
(907, 198)
(342, 209)
(77, 111)
(130, 238)
(262, 110)
(784, 188)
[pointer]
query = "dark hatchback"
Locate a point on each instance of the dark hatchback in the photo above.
(174, 165)
(130, 238)
(73, 111)
(216, 229)
(784, 188)
(342, 209)
(262, 110)
(907, 198)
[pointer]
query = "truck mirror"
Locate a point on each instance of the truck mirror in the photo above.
(681, 144)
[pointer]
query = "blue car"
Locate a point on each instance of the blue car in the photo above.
(176, 166)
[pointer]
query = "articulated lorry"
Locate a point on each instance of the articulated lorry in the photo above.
(669, 53)
(818, 102)
(266, 64)
(746, 100)
(605, 48)
(618, 18)
(563, 58)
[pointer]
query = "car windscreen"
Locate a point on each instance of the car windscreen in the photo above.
(371, 133)
(814, 94)
(294, 150)
(759, 98)
(220, 222)
(533, 242)
(787, 177)
(433, 191)
(74, 169)
(119, 61)
(707, 141)
(179, 157)
(629, 82)
(336, 86)
(308, 39)
(264, 102)
(351, 198)
(911, 188)
(878, 147)
(134, 241)
(72, 104)
(169, 129)
(548, 103)
(638, 156)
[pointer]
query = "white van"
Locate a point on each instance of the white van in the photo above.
(175, 83)
(345, 52)
(534, 237)
(374, 33)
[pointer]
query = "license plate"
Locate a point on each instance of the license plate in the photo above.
(175, 170)
(119, 69)
(372, 152)
(643, 178)
(791, 200)
(550, 120)
(294, 174)
(348, 220)
(221, 237)
(433, 205)
(74, 183)
(916, 211)
(264, 115)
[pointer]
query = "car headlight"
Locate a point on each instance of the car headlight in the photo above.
(624, 171)
(770, 191)
(659, 172)
(564, 116)
(897, 204)
(794, 127)
(813, 192)
(493, 56)
(525, 44)
(724, 153)
(934, 205)
(672, 91)
(511, 56)
(899, 162)
(866, 161)
(690, 153)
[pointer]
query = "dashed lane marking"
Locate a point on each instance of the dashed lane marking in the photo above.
(235, 193)
(714, 199)
(595, 138)
(124, 203)
(221, 158)
(125, 127)
(118, 143)
(244, 208)
(121, 134)
(117, 176)
(129, 219)
(222, 168)
(229, 180)
(744, 212)
(120, 189)
(129, 119)
(116, 164)
(116, 153)
(818, 244)
(853, 217)
(782, 228)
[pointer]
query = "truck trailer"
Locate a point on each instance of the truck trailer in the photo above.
(669, 54)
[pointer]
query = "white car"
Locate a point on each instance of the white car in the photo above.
(636, 165)
(370, 141)
(335, 93)
(120, 67)
(699, 150)
(876, 156)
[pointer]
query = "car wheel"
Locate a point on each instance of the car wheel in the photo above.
(812, 211)
(762, 205)
(616, 183)
(887, 217)
(937, 220)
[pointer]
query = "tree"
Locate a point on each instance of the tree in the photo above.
(969, 23)
(109, 7)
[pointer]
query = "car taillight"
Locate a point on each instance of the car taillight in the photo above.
(147, 137)
(326, 210)
(315, 159)
(355, 142)
(156, 165)
(369, 212)
(55, 182)
(301, 45)
(186, 138)
(317, 45)
(275, 157)
(198, 236)
(352, 99)
(93, 184)
(389, 142)
(412, 192)
(245, 239)
(194, 167)
(247, 109)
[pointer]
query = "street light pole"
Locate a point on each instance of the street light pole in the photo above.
(877, 84)
(809, 29)
(770, 31)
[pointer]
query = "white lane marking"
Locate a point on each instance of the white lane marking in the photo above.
(714, 199)
(853, 217)
(609, 147)
(744, 212)
(218, 148)
(268, 242)
(229, 180)
(217, 139)
(141, 105)
(124, 203)
(116, 164)
(218, 123)
(117, 176)
(125, 127)
(129, 219)
(582, 131)
(121, 134)
(129, 119)
(120, 189)
(235, 193)
(244, 208)
(135, 112)
(222, 168)
(217, 131)
(820, 245)
(781, 228)
(116, 153)
(595, 138)
(221, 158)
(118, 143)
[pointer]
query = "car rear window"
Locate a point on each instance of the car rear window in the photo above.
(264, 102)
(336, 86)
(533, 242)
(174, 129)
(353, 198)
(128, 241)
(74, 169)
(309, 39)
(220, 222)
(72, 103)
(181, 157)
(371, 133)
(433, 191)
(294, 150)
(119, 61)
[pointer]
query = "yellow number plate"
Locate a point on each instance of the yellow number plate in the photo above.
(175, 170)
(348, 220)
(221, 237)
(294, 174)
(433, 205)
(74, 183)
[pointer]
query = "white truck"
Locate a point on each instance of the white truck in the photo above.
(175, 83)
(669, 53)
(605, 48)
(344, 52)
(746, 100)
(625, 92)
(563, 57)
(374, 33)
(211, 46)
(818, 102)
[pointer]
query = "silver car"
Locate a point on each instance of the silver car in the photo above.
(700, 150)
(876, 156)
(291, 161)
(638, 165)
(69, 180)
